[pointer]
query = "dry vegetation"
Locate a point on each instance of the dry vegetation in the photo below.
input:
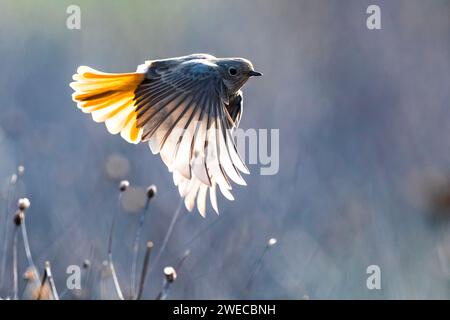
(29, 281)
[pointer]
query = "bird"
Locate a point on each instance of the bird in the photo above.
(186, 108)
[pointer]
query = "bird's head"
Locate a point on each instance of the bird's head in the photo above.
(235, 72)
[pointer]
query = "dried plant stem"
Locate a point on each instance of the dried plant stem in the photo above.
(41, 288)
(144, 272)
(255, 269)
(170, 275)
(182, 260)
(48, 272)
(15, 266)
(136, 249)
(162, 295)
(258, 263)
(168, 233)
(115, 279)
(88, 275)
(12, 182)
(110, 257)
(203, 231)
(26, 244)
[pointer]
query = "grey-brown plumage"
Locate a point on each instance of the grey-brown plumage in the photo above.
(186, 108)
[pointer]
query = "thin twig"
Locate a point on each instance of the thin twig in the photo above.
(255, 270)
(202, 231)
(21, 219)
(113, 224)
(87, 265)
(182, 260)
(26, 244)
(169, 232)
(111, 266)
(12, 181)
(164, 291)
(115, 279)
(144, 272)
(258, 264)
(41, 288)
(136, 248)
(170, 275)
(15, 267)
(48, 271)
(110, 257)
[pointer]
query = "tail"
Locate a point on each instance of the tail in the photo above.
(109, 98)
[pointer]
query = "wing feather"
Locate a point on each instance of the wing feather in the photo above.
(182, 111)
(181, 142)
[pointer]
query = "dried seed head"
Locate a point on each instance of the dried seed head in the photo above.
(151, 191)
(20, 170)
(272, 242)
(170, 274)
(23, 204)
(124, 184)
(19, 217)
(86, 264)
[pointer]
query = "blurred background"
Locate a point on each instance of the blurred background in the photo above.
(364, 126)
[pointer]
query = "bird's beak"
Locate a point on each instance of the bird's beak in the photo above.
(253, 73)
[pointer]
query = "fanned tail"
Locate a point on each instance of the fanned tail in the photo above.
(109, 97)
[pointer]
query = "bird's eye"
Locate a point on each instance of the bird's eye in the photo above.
(232, 71)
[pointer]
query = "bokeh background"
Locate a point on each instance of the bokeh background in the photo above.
(364, 147)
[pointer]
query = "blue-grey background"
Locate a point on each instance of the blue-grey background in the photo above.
(364, 123)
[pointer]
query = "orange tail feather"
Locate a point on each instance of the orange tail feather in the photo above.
(109, 98)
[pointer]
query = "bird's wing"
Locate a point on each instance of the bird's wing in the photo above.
(173, 62)
(193, 190)
(182, 110)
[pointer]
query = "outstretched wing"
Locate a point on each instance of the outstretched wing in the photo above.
(193, 190)
(182, 111)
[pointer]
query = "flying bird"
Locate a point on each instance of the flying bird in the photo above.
(186, 108)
